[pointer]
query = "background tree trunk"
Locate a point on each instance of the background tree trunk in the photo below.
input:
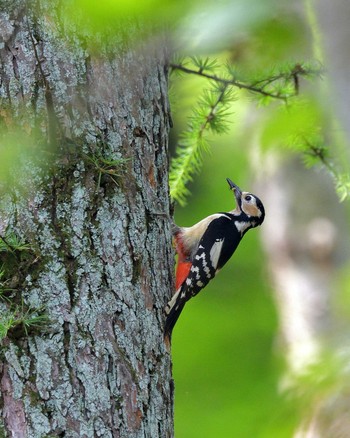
(306, 242)
(96, 220)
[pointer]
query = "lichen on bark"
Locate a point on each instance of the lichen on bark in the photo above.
(103, 268)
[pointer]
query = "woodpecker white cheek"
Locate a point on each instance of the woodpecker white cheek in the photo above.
(251, 210)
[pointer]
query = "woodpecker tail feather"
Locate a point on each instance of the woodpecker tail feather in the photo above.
(173, 310)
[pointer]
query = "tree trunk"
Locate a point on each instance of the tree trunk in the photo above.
(98, 260)
(305, 237)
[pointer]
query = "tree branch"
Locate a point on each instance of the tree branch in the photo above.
(292, 76)
(228, 82)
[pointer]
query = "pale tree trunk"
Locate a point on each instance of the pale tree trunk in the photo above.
(333, 23)
(306, 240)
(96, 219)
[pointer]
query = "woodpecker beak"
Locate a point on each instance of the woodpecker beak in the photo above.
(236, 190)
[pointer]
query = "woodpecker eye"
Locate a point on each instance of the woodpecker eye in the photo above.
(248, 198)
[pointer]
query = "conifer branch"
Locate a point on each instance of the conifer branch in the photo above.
(208, 115)
(258, 87)
(341, 179)
(227, 82)
(213, 108)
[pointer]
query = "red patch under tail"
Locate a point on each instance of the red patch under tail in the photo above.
(182, 271)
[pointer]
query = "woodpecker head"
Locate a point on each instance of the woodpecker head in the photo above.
(248, 204)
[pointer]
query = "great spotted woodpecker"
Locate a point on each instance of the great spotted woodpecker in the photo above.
(204, 248)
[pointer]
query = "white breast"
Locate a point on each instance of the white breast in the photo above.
(190, 236)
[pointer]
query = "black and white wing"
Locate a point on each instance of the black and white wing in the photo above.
(216, 246)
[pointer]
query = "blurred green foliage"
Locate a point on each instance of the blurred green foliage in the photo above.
(294, 122)
(226, 369)
(230, 375)
(132, 21)
(15, 150)
(109, 11)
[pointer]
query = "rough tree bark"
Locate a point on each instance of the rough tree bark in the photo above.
(96, 221)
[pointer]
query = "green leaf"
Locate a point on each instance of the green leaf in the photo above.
(343, 187)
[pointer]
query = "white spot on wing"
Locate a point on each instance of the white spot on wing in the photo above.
(202, 256)
(215, 252)
(195, 269)
(205, 266)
